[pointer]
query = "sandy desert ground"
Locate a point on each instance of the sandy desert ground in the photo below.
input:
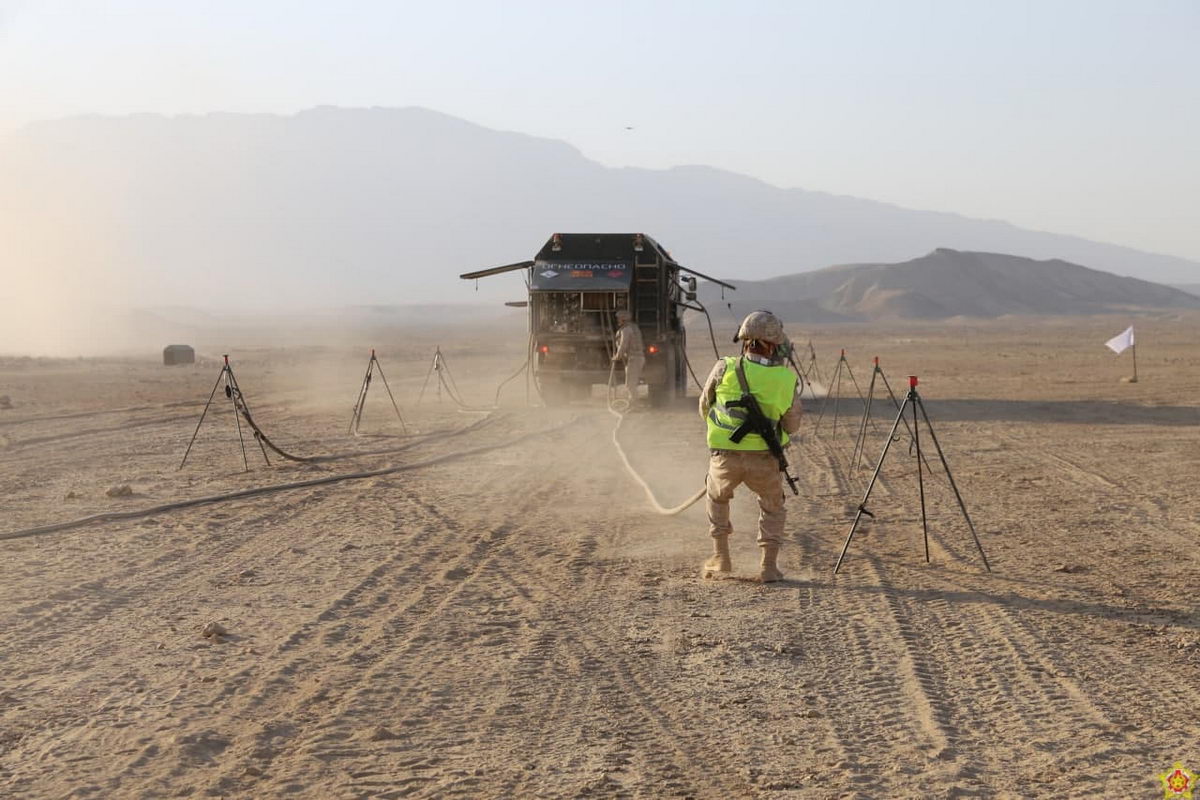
(516, 623)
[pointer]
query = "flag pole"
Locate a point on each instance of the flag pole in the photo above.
(1133, 347)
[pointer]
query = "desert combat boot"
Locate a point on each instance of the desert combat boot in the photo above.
(769, 572)
(720, 561)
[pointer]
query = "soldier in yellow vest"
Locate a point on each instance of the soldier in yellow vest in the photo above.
(764, 372)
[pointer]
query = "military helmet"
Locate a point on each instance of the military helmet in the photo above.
(762, 326)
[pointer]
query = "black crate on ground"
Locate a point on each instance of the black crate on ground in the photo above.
(178, 354)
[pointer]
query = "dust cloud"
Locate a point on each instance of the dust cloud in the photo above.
(60, 294)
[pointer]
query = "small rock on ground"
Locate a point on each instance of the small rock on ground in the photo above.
(213, 629)
(381, 734)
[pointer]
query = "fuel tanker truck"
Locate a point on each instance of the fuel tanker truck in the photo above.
(577, 283)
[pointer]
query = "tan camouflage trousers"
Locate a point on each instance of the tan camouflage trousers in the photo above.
(633, 375)
(728, 469)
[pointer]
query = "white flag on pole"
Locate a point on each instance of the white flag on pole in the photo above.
(1121, 342)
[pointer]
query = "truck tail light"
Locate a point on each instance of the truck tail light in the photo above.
(652, 349)
(544, 348)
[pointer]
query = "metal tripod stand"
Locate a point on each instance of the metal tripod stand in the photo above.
(913, 399)
(234, 393)
(372, 365)
(444, 379)
(811, 368)
(860, 443)
(835, 390)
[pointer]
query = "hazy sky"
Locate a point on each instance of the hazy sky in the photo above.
(1072, 116)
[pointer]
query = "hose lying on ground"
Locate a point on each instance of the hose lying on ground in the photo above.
(620, 415)
(115, 516)
(261, 436)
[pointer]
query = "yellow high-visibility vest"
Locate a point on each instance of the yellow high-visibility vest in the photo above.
(773, 387)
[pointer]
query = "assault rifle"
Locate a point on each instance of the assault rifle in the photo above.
(757, 422)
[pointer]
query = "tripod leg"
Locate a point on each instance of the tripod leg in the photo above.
(231, 386)
(828, 390)
(821, 412)
(862, 507)
(850, 372)
(837, 398)
(860, 442)
(432, 367)
(812, 360)
(238, 389)
(366, 389)
(451, 384)
(211, 395)
(356, 415)
(392, 397)
(953, 485)
(808, 381)
(442, 382)
(240, 406)
(921, 482)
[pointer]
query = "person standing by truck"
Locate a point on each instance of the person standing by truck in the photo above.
(630, 349)
(738, 454)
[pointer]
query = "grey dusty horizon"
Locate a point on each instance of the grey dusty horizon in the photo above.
(335, 207)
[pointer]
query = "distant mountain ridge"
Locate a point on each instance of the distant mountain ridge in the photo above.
(948, 283)
(362, 206)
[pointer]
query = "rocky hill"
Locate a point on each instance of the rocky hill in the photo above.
(948, 283)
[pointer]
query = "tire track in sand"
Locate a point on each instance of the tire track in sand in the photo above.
(445, 727)
(68, 611)
(583, 699)
(653, 744)
(882, 699)
(1005, 693)
(61, 627)
(399, 620)
(284, 673)
(1078, 685)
